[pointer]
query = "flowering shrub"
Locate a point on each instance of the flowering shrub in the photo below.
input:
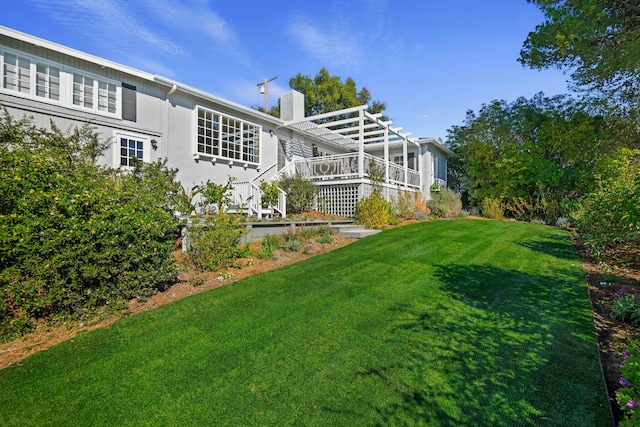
(405, 204)
(628, 396)
(624, 308)
(74, 236)
(290, 241)
(373, 211)
(410, 205)
(326, 234)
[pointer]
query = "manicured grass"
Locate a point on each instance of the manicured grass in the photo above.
(437, 324)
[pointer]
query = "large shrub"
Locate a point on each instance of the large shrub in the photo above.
(74, 236)
(492, 208)
(301, 193)
(373, 211)
(611, 214)
(445, 203)
(214, 244)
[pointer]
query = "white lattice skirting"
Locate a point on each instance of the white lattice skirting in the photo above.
(341, 199)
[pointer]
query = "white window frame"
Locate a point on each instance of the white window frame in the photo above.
(229, 138)
(47, 83)
(65, 85)
(117, 146)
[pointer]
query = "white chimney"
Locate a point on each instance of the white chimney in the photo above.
(292, 106)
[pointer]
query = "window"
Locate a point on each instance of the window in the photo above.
(129, 147)
(411, 160)
(223, 136)
(94, 94)
(17, 73)
(107, 97)
(47, 81)
(38, 79)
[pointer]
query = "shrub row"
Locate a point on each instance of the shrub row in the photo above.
(75, 236)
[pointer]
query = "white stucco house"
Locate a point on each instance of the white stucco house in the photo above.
(210, 138)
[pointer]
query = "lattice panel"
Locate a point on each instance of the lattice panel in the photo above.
(341, 199)
(338, 199)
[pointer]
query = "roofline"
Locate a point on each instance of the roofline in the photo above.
(437, 144)
(155, 78)
(27, 38)
(214, 98)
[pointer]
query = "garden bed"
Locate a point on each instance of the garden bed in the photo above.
(613, 334)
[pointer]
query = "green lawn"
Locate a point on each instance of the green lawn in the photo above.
(442, 323)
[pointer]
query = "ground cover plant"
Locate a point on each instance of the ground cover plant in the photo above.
(439, 323)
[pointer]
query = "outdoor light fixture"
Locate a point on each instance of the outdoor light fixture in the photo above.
(154, 144)
(271, 132)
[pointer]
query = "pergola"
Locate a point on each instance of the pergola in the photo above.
(358, 131)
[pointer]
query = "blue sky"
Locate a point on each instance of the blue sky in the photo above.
(429, 60)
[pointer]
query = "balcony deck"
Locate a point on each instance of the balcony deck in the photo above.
(348, 166)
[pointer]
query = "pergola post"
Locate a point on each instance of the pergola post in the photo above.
(405, 161)
(386, 154)
(361, 144)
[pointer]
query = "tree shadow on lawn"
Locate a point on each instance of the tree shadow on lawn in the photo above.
(556, 246)
(497, 348)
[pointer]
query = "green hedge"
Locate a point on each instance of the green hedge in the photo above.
(75, 236)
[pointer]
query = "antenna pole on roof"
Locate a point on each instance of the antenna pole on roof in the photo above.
(264, 88)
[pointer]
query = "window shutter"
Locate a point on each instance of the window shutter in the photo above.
(129, 102)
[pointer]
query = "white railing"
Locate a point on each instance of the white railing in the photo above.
(413, 178)
(396, 173)
(440, 183)
(328, 167)
(246, 197)
(343, 166)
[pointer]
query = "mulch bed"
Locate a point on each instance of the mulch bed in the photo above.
(611, 273)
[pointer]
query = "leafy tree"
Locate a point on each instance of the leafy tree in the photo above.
(599, 40)
(534, 153)
(325, 93)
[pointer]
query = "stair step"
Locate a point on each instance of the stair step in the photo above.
(348, 227)
(357, 232)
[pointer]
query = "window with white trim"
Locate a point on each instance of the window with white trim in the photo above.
(94, 94)
(39, 79)
(47, 81)
(223, 136)
(17, 73)
(127, 147)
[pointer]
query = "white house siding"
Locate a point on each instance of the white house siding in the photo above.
(166, 114)
(180, 144)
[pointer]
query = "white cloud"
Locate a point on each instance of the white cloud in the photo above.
(338, 47)
(109, 23)
(154, 27)
(429, 113)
